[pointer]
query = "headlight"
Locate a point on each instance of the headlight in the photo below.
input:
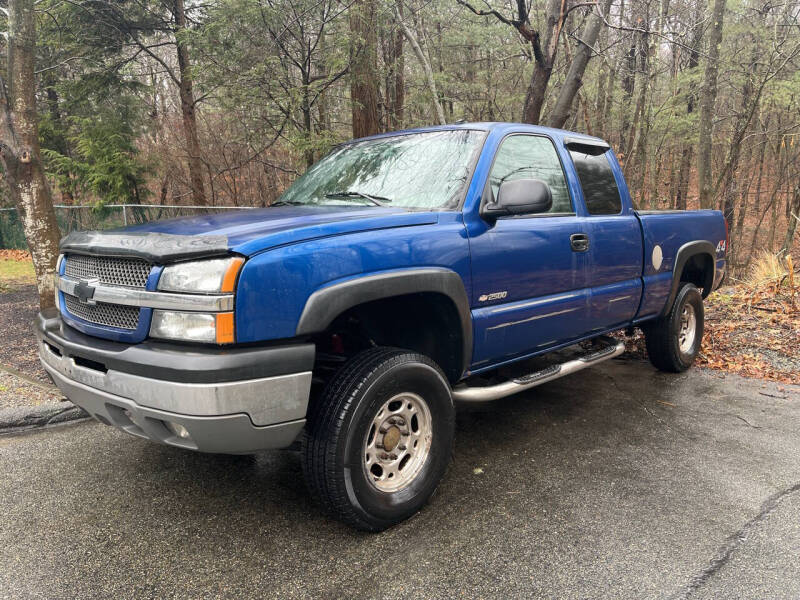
(202, 276)
(192, 326)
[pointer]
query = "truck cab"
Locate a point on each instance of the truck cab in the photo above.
(399, 275)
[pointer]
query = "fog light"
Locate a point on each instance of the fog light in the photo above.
(178, 430)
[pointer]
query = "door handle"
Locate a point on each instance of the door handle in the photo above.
(579, 242)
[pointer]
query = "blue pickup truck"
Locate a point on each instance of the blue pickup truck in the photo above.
(400, 274)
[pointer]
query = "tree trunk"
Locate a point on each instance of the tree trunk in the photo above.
(308, 121)
(640, 127)
(628, 84)
(686, 159)
(543, 65)
(399, 81)
(708, 96)
(794, 217)
(188, 107)
(574, 80)
(426, 66)
(364, 68)
(395, 82)
(19, 149)
(730, 187)
(683, 179)
(605, 85)
(739, 227)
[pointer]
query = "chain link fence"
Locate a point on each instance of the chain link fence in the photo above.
(75, 218)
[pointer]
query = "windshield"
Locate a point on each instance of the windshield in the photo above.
(418, 170)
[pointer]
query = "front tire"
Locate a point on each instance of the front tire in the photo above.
(379, 438)
(673, 342)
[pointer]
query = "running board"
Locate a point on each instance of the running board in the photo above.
(466, 393)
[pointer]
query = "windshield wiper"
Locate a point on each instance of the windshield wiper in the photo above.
(376, 200)
(286, 203)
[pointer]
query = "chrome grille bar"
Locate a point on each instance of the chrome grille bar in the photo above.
(141, 298)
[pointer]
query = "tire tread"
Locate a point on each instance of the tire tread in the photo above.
(326, 422)
(661, 350)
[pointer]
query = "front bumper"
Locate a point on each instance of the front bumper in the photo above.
(228, 400)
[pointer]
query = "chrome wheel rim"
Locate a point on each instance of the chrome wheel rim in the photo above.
(688, 329)
(398, 442)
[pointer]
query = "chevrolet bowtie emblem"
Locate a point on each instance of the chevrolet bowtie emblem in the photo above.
(85, 290)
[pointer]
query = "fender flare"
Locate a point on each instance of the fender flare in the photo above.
(685, 252)
(328, 302)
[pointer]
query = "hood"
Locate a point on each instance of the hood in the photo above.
(245, 232)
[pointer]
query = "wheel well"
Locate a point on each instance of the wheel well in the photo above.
(426, 322)
(699, 270)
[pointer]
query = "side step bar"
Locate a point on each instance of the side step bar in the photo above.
(466, 393)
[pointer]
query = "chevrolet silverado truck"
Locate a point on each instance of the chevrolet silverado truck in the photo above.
(400, 274)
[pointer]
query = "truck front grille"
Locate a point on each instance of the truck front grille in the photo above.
(110, 315)
(109, 270)
(128, 272)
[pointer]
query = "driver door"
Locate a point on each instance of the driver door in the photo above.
(529, 275)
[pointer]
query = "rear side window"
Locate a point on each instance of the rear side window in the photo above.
(531, 157)
(597, 180)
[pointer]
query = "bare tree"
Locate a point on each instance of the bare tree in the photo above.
(574, 79)
(426, 66)
(708, 97)
(691, 100)
(19, 148)
(544, 54)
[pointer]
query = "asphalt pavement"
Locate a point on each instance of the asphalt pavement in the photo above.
(616, 482)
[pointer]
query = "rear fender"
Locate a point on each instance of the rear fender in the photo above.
(685, 253)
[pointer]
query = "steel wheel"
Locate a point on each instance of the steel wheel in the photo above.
(398, 442)
(688, 329)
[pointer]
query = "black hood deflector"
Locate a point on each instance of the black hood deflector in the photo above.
(158, 248)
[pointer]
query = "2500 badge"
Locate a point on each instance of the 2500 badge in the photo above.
(493, 296)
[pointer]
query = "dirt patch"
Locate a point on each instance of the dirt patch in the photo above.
(18, 309)
(15, 255)
(753, 332)
(16, 391)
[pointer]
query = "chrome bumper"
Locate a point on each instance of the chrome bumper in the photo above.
(224, 417)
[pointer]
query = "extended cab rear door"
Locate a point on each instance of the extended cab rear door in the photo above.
(614, 237)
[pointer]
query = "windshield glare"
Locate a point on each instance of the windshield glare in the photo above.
(418, 170)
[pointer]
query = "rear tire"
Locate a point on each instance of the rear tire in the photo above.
(673, 342)
(379, 438)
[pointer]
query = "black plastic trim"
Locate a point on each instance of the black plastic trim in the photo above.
(327, 303)
(153, 247)
(685, 252)
(578, 141)
(175, 362)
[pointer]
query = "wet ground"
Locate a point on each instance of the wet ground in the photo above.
(618, 482)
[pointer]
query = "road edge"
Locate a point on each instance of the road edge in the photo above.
(20, 418)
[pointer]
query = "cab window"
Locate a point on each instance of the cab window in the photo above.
(597, 180)
(531, 157)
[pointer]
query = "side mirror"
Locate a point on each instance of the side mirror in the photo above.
(520, 197)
